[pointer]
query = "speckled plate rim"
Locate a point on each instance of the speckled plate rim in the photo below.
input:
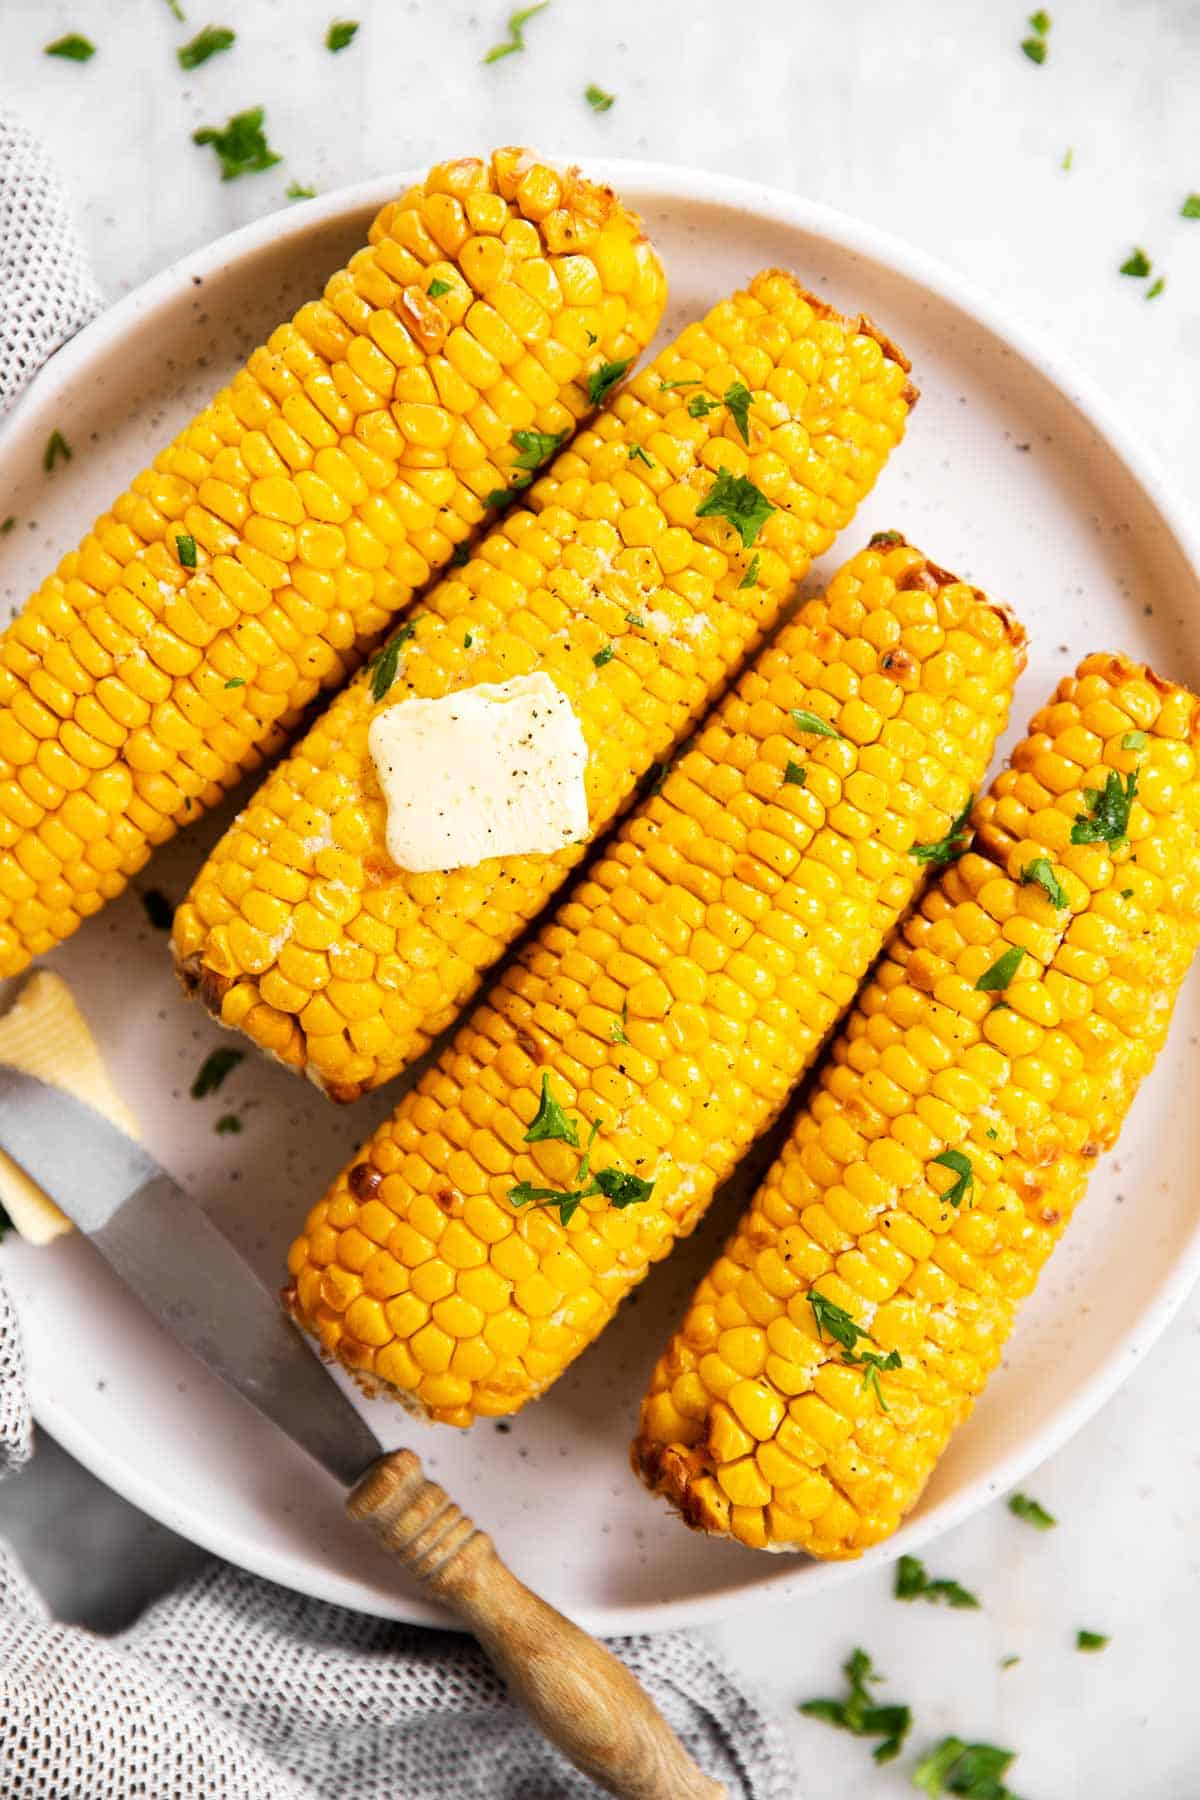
(661, 183)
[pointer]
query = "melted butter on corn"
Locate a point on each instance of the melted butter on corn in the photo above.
(493, 770)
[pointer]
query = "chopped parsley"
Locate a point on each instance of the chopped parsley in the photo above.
(605, 377)
(948, 849)
(604, 656)
(7, 525)
(813, 723)
(72, 48)
(206, 43)
(1156, 287)
(995, 979)
(1191, 207)
(686, 381)
(516, 32)
(550, 1121)
(241, 148)
(617, 1031)
(460, 556)
(1136, 263)
(700, 405)
(468, 641)
(213, 1070)
(1034, 48)
(833, 1321)
(536, 447)
(885, 540)
(912, 1583)
(750, 578)
(635, 619)
(1040, 21)
(383, 665)
(871, 1362)
(1032, 1511)
(737, 399)
(341, 34)
(795, 775)
(859, 1714)
(1127, 893)
(736, 499)
(1068, 161)
(1091, 1640)
(296, 190)
(235, 681)
(176, 11)
(57, 450)
(435, 290)
(973, 1771)
(960, 1166)
(1134, 740)
(1107, 817)
(1041, 871)
(228, 1125)
(159, 910)
(596, 97)
(618, 1186)
(637, 454)
(185, 547)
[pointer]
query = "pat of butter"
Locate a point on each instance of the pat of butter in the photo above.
(493, 770)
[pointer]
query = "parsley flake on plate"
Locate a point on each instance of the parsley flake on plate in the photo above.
(241, 146)
(1156, 287)
(1107, 817)
(605, 377)
(960, 1166)
(860, 1714)
(1136, 263)
(949, 848)
(206, 43)
(972, 1771)
(296, 190)
(596, 97)
(813, 723)
(1041, 871)
(1191, 207)
(1032, 1511)
(736, 499)
(57, 450)
(1091, 1640)
(213, 1070)
(72, 48)
(516, 32)
(8, 524)
(341, 34)
(912, 1583)
(228, 1125)
(996, 978)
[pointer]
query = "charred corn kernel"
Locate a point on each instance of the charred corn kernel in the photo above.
(289, 522)
(1033, 1096)
(678, 1090)
(608, 556)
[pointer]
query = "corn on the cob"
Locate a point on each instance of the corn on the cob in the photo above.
(619, 582)
(250, 565)
(949, 1141)
(670, 1006)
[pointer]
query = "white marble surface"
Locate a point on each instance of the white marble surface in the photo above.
(923, 116)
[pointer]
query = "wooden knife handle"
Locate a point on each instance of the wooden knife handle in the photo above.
(579, 1694)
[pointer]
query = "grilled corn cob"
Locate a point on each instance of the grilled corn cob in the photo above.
(669, 1007)
(249, 566)
(619, 580)
(857, 1312)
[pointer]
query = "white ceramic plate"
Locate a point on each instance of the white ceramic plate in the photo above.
(1009, 476)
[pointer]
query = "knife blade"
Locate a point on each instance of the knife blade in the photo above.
(187, 1275)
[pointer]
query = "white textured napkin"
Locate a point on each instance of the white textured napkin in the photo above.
(230, 1687)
